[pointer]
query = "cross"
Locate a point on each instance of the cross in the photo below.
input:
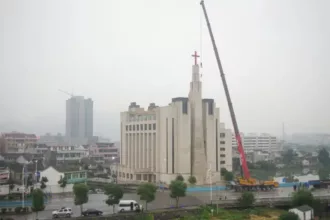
(195, 56)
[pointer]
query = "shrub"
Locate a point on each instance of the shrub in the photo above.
(9, 209)
(3, 210)
(18, 209)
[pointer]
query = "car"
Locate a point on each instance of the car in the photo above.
(62, 212)
(129, 206)
(90, 212)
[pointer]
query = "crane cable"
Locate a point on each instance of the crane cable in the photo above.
(201, 39)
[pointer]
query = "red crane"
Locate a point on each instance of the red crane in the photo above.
(244, 168)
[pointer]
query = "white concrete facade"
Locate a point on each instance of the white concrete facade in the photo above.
(182, 138)
(258, 142)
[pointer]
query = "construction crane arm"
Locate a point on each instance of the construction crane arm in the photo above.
(244, 167)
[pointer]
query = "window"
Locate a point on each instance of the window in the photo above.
(126, 127)
(133, 127)
(222, 162)
(149, 127)
(145, 127)
(222, 135)
(222, 149)
(222, 155)
(137, 127)
(141, 127)
(130, 127)
(154, 126)
(222, 142)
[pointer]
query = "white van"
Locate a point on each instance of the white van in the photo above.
(129, 206)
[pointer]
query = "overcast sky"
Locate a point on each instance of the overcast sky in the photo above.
(275, 54)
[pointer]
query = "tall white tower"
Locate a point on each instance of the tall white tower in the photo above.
(198, 153)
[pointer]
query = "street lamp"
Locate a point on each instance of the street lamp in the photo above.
(23, 185)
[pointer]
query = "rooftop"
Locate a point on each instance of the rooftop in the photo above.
(18, 135)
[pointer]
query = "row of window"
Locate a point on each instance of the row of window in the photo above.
(141, 127)
(132, 118)
(107, 150)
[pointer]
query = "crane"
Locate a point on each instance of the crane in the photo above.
(70, 94)
(246, 182)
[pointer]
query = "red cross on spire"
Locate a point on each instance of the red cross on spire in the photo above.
(195, 56)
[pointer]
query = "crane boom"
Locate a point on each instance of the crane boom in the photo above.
(244, 166)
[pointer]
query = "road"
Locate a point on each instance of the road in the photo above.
(97, 201)
(162, 200)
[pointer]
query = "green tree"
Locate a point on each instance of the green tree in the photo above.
(246, 199)
(147, 192)
(178, 189)
(62, 182)
(229, 176)
(324, 173)
(288, 156)
(223, 171)
(80, 191)
(11, 184)
(323, 157)
(37, 201)
(192, 180)
(288, 216)
(179, 178)
(114, 193)
(302, 197)
(44, 180)
(266, 165)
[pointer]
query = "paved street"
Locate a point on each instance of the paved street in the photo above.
(162, 201)
(98, 201)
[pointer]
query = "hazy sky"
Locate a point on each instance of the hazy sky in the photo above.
(275, 54)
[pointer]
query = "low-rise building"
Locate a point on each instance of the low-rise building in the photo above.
(69, 154)
(109, 151)
(257, 142)
(17, 142)
(55, 174)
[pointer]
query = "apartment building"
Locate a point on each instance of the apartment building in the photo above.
(69, 154)
(109, 151)
(258, 142)
(16, 142)
(185, 137)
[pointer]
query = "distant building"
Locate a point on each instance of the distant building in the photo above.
(79, 120)
(257, 142)
(69, 154)
(160, 143)
(16, 142)
(109, 151)
(50, 139)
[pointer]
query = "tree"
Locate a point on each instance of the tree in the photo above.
(178, 189)
(62, 183)
(288, 216)
(11, 184)
(147, 192)
(80, 191)
(37, 201)
(192, 180)
(323, 157)
(302, 197)
(229, 176)
(266, 165)
(324, 173)
(114, 193)
(288, 156)
(246, 199)
(223, 171)
(179, 178)
(44, 180)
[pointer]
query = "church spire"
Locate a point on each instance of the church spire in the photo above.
(195, 69)
(195, 56)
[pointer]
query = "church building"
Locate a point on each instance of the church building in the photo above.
(186, 137)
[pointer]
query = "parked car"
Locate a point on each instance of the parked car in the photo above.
(90, 212)
(62, 212)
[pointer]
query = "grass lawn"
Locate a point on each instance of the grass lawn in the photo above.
(252, 214)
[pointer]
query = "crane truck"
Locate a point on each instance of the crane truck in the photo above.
(245, 182)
